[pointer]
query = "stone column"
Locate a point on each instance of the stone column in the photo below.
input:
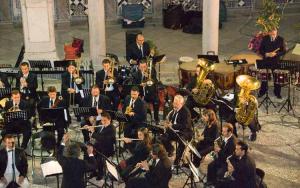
(210, 33)
(38, 28)
(97, 32)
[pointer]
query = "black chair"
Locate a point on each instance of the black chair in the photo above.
(261, 174)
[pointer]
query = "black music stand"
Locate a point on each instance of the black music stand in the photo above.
(194, 176)
(40, 64)
(51, 115)
(121, 118)
(210, 58)
(85, 111)
(9, 117)
(5, 92)
(262, 64)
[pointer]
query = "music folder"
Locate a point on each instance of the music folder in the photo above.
(85, 111)
(158, 58)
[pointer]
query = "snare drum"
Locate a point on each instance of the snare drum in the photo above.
(281, 77)
(263, 75)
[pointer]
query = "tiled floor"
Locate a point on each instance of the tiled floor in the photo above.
(277, 149)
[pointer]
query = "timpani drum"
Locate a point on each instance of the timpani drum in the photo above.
(250, 58)
(187, 69)
(281, 77)
(261, 74)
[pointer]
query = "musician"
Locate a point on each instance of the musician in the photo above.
(272, 48)
(210, 133)
(140, 151)
(241, 169)
(53, 101)
(105, 138)
(190, 102)
(138, 50)
(101, 103)
(179, 121)
(4, 81)
(110, 90)
(218, 167)
(11, 156)
(73, 167)
(135, 110)
(70, 89)
(148, 91)
(18, 126)
(158, 174)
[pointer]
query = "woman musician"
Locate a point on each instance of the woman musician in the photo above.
(140, 151)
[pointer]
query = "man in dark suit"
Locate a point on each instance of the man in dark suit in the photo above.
(52, 101)
(272, 48)
(148, 86)
(135, 110)
(101, 103)
(11, 156)
(218, 167)
(158, 174)
(18, 126)
(70, 89)
(105, 138)
(138, 50)
(241, 168)
(3, 81)
(179, 121)
(102, 80)
(73, 167)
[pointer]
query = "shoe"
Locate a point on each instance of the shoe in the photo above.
(260, 95)
(157, 122)
(278, 96)
(252, 137)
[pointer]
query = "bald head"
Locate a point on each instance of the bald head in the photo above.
(140, 39)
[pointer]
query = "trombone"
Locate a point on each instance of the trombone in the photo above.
(110, 80)
(149, 81)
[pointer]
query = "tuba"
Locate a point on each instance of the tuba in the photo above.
(247, 104)
(206, 88)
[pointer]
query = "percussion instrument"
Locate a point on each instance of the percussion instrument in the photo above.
(281, 77)
(259, 74)
(250, 58)
(252, 71)
(187, 69)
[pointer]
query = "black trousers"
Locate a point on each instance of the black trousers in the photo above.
(155, 102)
(264, 88)
(216, 169)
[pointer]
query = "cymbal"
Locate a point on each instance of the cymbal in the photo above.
(249, 82)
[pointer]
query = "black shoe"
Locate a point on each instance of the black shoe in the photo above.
(278, 96)
(252, 137)
(260, 95)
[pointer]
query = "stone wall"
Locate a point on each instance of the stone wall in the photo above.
(5, 11)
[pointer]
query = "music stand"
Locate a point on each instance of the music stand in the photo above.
(51, 167)
(14, 116)
(85, 111)
(40, 64)
(61, 64)
(194, 176)
(210, 58)
(5, 92)
(262, 64)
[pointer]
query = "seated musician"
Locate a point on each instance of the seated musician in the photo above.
(190, 102)
(52, 101)
(11, 155)
(179, 121)
(102, 80)
(140, 151)
(105, 138)
(135, 110)
(70, 87)
(207, 137)
(101, 103)
(158, 173)
(148, 86)
(4, 81)
(73, 167)
(218, 167)
(18, 126)
(241, 169)
(26, 82)
(138, 50)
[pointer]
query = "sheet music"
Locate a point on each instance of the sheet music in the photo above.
(229, 97)
(296, 50)
(112, 170)
(66, 114)
(50, 168)
(81, 93)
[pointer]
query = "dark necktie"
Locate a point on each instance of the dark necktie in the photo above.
(141, 48)
(95, 102)
(174, 116)
(132, 103)
(51, 103)
(71, 82)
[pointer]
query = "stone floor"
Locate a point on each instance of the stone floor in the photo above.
(277, 148)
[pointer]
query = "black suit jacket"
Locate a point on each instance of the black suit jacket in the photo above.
(74, 169)
(65, 84)
(31, 81)
(23, 105)
(183, 122)
(105, 140)
(150, 91)
(4, 80)
(103, 102)
(226, 149)
(139, 109)
(159, 175)
(20, 161)
(100, 78)
(135, 53)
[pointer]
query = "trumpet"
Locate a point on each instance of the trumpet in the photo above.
(149, 81)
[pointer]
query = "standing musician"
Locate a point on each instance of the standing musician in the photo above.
(158, 173)
(208, 136)
(52, 101)
(148, 86)
(135, 110)
(272, 48)
(138, 50)
(179, 120)
(101, 103)
(4, 81)
(140, 151)
(103, 77)
(105, 138)
(18, 126)
(13, 165)
(69, 88)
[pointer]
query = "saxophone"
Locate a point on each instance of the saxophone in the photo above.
(206, 88)
(247, 104)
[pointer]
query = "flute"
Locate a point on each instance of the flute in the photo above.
(93, 126)
(132, 139)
